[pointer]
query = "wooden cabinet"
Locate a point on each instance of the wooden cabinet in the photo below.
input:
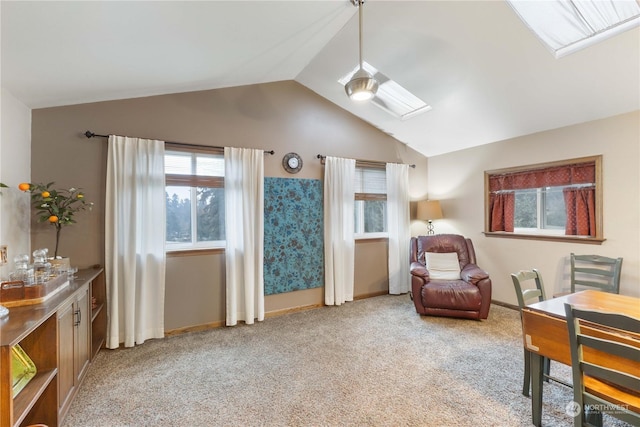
(60, 336)
(74, 346)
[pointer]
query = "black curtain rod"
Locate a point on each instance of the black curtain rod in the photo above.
(322, 157)
(90, 134)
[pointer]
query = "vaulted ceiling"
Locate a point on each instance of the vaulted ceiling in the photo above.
(485, 74)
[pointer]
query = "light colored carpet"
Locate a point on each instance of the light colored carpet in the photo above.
(372, 362)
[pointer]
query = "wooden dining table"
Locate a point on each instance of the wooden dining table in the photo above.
(545, 333)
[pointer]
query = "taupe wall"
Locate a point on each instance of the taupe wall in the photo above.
(281, 116)
(457, 180)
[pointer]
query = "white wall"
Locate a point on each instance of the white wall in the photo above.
(15, 167)
(457, 179)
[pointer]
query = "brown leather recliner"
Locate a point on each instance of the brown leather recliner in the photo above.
(469, 297)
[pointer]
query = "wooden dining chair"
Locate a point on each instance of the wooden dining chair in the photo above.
(529, 288)
(605, 371)
(595, 271)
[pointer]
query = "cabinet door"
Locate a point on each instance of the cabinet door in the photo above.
(66, 374)
(74, 343)
(82, 341)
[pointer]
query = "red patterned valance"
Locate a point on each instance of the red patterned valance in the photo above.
(581, 173)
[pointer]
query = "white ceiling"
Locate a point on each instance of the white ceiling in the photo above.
(487, 77)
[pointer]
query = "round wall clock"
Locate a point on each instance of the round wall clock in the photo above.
(292, 163)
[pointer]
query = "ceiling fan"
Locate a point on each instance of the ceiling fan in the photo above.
(362, 85)
(367, 83)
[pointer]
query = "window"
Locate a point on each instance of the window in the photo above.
(194, 198)
(560, 200)
(370, 200)
(540, 210)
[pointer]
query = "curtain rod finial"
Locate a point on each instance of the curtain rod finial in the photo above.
(89, 134)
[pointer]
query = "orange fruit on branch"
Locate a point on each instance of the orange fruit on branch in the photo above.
(53, 219)
(25, 186)
(45, 194)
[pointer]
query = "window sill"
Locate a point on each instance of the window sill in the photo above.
(371, 236)
(371, 239)
(547, 237)
(194, 252)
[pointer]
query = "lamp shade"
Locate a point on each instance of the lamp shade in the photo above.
(429, 210)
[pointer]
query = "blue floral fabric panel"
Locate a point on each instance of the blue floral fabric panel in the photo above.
(293, 235)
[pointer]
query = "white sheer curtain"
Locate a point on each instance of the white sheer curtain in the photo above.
(134, 240)
(244, 228)
(398, 227)
(339, 242)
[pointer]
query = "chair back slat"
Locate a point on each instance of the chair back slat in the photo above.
(612, 320)
(627, 381)
(606, 287)
(529, 294)
(608, 346)
(594, 271)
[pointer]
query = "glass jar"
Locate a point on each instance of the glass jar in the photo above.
(21, 262)
(41, 266)
(23, 271)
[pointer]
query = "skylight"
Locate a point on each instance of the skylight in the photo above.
(566, 26)
(391, 97)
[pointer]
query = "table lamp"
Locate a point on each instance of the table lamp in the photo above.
(429, 210)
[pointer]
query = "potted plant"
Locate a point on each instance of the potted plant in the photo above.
(56, 206)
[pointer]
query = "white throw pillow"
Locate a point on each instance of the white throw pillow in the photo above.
(442, 266)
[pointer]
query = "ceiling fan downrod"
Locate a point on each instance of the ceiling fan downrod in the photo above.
(362, 86)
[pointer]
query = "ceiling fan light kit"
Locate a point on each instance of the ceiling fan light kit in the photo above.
(362, 86)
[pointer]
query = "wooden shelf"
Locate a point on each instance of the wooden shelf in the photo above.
(98, 291)
(27, 398)
(99, 327)
(96, 311)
